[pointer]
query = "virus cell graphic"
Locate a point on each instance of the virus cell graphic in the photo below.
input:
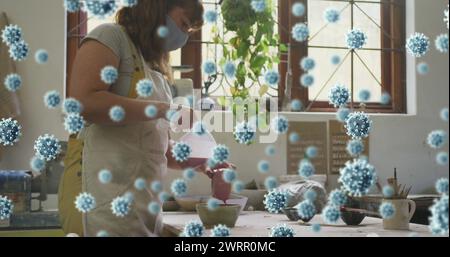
(213, 204)
(72, 5)
(229, 175)
(298, 9)
(339, 96)
(300, 32)
(129, 3)
(154, 208)
(151, 111)
(37, 164)
(355, 147)
(193, 229)
(52, 99)
(221, 153)
(163, 197)
(272, 77)
(144, 88)
(307, 63)
(442, 186)
(178, 187)
(280, 124)
(121, 206)
(73, 123)
(423, 68)
(296, 105)
(140, 184)
(270, 150)
(306, 169)
(356, 39)
(189, 174)
(307, 80)
(439, 216)
(72, 105)
(331, 15)
(441, 43)
(13, 82)
(316, 228)
(41, 56)
(85, 202)
(444, 114)
(109, 75)
(388, 191)
(47, 147)
(229, 69)
(294, 137)
(210, 16)
(117, 113)
(238, 186)
(102, 233)
(156, 186)
(331, 214)
(282, 230)
(310, 195)
(105, 176)
(10, 132)
(19, 51)
(11, 34)
(306, 210)
(387, 210)
(337, 198)
(364, 95)
(220, 231)
(385, 98)
(418, 44)
(101, 9)
(263, 166)
(275, 201)
(259, 5)
(442, 158)
(6, 208)
(437, 139)
(163, 31)
(358, 125)
(357, 177)
(244, 133)
(335, 59)
(342, 114)
(209, 68)
(270, 183)
(311, 152)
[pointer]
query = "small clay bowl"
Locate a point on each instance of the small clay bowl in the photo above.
(225, 214)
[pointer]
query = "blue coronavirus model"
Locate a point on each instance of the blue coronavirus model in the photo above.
(331, 15)
(37, 164)
(10, 132)
(307, 80)
(73, 123)
(105, 176)
(298, 9)
(387, 210)
(151, 111)
(154, 208)
(356, 39)
(310, 195)
(101, 9)
(342, 114)
(444, 114)
(244, 133)
(439, 216)
(311, 152)
(300, 32)
(140, 184)
(109, 75)
(11, 34)
(47, 147)
(331, 214)
(442, 186)
(213, 204)
(229, 175)
(19, 51)
(442, 158)
(229, 69)
(270, 183)
(275, 201)
(13, 82)
(238, 186)
(144, 88)
(52, 99)
(296, 105)
(282, 230)
(306, 210)
(423, 68)
(72, 105)
(437, 139)
(306, 168)
(270, 150)
(294, 137)
(337, 198)
(220, 231)
(280, 124)
(441, 43)
(209, 68)
(358, 125)
(335, 59)
(121, 206)
(189, 174)
(163, 196)
(357, 177)
(364, 95)
(388, 191)
(355, 147)
(85, 202)
(210, 16)
(272, 77)
(41, 56)
(307, 63)
(385, 98)
(259, 5)
(339, 95)
(6, 208)
(263, 166)
(418, 45)
(156, 186)
(117, 113)
(178, 187)
(163, 31)
(193, 229)
(221, 153)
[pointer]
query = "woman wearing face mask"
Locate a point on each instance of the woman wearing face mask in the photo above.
(136, 147)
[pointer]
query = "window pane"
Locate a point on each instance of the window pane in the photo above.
(363, 79)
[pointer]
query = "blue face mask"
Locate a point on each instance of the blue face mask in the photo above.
(176, 38)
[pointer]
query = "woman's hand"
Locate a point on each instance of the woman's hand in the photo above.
(204, 168)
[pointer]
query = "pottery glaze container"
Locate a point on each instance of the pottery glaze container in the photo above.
(404, 211)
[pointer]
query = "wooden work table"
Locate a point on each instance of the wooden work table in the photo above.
(258, 224)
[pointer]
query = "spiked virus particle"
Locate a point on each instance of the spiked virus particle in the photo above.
(300, 32)
(337, 198)
(441, 43)
(339, 96)
(221, 153)
(259, 6)
(47, 147)
(275, 201)
(306, 169)
(442, 186)
(282, 230)
(442, 158)
(307, 80)
(121, 206)
(356, 39)
(105, 176)
(163, 197)
(220, 231)
(19, 51)
(151, 111)
(423, 68)
(85, 202)
(229, 69)
(298, 9)
(244, 133)
(72, 105)
(13, 82)
(331, 15)
(311, 152)
(418, 44)
(387, 210)
(72, 5)
(11, 34)
(117, 113)
(37, 164)
(144, 88)
(229, 175)
(6, 208)
(73, 123)
(213, 204)
(156, 186)
(357, 177)
(388, 191)
(263, 166)
(210, 16)
(101, 9)
(52, 99)
(10, 132)
(444, 114)
(199, 128)
(140, 184)
(270, 183)
(154, 208)
(238, 186)
(179, 187)
(385, 98)
(335, 59)
(209, 68)
(294, 137)
(193, 229)
(331, 214)
(163, 31)
(306, 210)
(358, 125)
(437, 139)
(41, 56)
(364, 95)
(189, 174)
(296, 105)
(355, 147)
(270, 150)
(310, 195)
(280, 124)
(342, 114)
(439, 216)
(272, 77)
(109, 75)
(316, 227)
(102, 233)
(307, 63)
